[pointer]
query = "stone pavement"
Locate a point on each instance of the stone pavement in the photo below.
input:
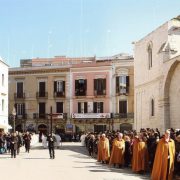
(71, 162)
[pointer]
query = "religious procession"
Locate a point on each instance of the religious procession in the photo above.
(148, 151)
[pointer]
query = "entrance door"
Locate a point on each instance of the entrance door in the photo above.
(42, 129)
(125, 127)
(99, 128)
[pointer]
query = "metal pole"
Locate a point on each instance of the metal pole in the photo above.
(14, 122)
(51, 119)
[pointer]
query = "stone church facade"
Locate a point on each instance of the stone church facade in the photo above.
(157, 78)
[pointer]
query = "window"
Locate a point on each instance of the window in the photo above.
(59, 107)
(100, 86)
(59, 88)
(20, 108)
(149, 56)
(122, 84)
(2, 79)
(42, 110)
(123, 107)
(98, 107)
(19, 89)
(152, 107)
(2, 105)
(82, 107)
(80, 87)
(42, 89)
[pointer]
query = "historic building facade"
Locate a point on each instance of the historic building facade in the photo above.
(157, 77)
(86, 94)
(4, 96)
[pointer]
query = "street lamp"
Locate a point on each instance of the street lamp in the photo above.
(14, 117)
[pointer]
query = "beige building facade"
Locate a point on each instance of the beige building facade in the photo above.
(86, 94)
(157, 78)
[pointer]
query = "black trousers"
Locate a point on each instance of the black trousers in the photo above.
(13, 153)
(51, 152)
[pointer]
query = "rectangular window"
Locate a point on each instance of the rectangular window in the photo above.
(100, 86)
(42, 89)
(98, 107)
(59, 88)
(20, 109)
(123, 107)
(122, 84)
(59, 107)
(82, 107)
(80, 87)
(42, 110)
(19, 90)
(2, 105)
(2, 79)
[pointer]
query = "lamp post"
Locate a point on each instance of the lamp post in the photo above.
(14, 117)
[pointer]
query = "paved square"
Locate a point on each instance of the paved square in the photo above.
(71, 162)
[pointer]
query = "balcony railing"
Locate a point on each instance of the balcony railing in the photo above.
(42, 95)
(23, 116)
(59, 94)
(39, 116)
(19, 95)
(100, 93)
(123, 115)
(80, 92)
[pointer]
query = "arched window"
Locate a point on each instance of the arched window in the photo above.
(152, 107)
(149, 49)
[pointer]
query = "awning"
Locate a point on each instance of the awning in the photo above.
(5, 126)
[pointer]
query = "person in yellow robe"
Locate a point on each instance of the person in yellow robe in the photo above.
(163, 166)
(118, 149)
(139, 154)
(103, 149)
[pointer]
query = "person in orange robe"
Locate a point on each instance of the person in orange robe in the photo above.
(139, 154)
(103, 149)
(117, 154)
(163, 166)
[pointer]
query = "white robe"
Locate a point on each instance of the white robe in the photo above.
(44, 141)
(83, 139)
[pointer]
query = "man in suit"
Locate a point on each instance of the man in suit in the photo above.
(51, 140)
(13, 145)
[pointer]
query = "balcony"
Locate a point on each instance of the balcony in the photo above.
(100, 93)
(59, 94)
(39, 116)
(19, 96)
(23, 116)
(123, 115)
(80, 92)
(123, 91)
(42, 95)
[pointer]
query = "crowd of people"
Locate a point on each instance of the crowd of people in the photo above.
(148, 151)
(12, 142)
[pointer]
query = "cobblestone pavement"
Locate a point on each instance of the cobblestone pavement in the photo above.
(71, 162)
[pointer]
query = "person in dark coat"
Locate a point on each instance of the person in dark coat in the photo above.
(19, 142)
(13, 145)
(127, 153)
(27, 141)
(51, 140)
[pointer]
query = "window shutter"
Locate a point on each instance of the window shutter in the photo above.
(101, 107)
(85, 84)
(79, 107)
(117, 84)
(95, 84)
(95, 107)
(127, 84)
(85, 107)
(23, 108)
(55, 86)
(64, 86)
(76, 86)
(104, 84)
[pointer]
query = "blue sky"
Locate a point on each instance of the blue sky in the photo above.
(46, 28)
